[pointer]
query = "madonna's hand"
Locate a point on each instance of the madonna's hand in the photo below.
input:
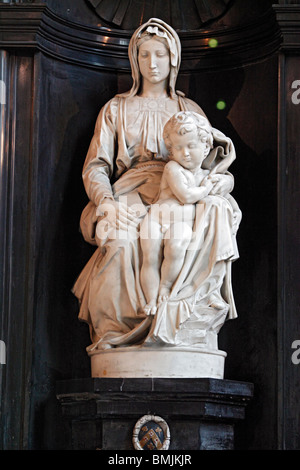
(223, 184)
(117, 214)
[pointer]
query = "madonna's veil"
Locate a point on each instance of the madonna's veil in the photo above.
(161, 29)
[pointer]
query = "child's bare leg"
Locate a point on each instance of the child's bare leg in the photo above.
(150, 271)
(175, 247)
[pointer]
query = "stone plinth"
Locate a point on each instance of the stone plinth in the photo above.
(135, 362)
(101, 413)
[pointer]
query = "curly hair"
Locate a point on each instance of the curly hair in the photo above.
(189, 121)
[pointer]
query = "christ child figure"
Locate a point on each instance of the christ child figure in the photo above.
(166, 230)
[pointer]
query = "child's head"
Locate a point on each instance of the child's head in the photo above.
(185, 122)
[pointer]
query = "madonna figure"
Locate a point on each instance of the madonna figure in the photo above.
(122, 174)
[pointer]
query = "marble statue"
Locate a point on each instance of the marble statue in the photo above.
(158, 288)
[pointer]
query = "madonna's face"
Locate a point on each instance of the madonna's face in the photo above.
(154, 61)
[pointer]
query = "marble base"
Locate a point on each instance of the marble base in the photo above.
(137, 362)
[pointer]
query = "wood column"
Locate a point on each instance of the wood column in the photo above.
(17, 239)
(288, 17)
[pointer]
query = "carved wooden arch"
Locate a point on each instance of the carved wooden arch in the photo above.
(187, 15)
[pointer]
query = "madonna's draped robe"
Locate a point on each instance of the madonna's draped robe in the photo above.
(128, 147)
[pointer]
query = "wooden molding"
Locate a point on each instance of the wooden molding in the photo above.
(288, 18)
(36, 26)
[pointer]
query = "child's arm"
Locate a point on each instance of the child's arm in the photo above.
(180, 187)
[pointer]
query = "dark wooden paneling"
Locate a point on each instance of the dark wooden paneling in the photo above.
(288, 15)
(16, 234)
(249, 119)
(290, 321)
(289, 254)
(4, 184)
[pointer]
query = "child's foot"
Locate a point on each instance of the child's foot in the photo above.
(150, 308)
(164, 294)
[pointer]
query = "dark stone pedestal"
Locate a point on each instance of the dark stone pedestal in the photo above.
(200, 413)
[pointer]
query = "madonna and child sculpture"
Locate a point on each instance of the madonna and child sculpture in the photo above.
(158, 287)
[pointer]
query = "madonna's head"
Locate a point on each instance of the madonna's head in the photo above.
(168, 47)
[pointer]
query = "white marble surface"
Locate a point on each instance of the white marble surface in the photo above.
(143, 362)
